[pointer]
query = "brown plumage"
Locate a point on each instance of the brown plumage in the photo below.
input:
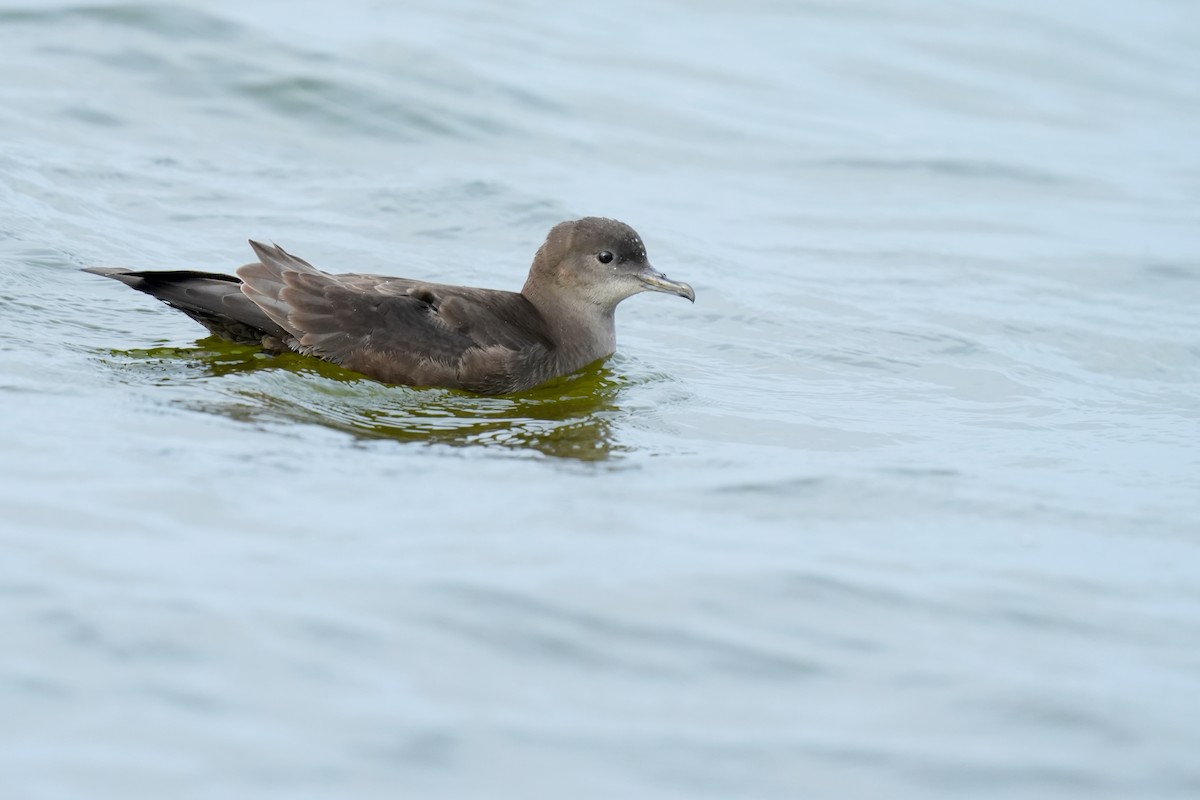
(404, 331)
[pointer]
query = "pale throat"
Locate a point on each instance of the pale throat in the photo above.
(583, 330)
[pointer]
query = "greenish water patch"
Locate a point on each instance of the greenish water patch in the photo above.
(570, 417)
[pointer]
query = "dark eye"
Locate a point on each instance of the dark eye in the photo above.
(605, 257)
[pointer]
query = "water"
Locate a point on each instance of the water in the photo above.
(905, 506)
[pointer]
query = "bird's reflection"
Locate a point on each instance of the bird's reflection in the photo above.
(568, 418)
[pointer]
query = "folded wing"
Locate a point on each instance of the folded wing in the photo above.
(402, 331)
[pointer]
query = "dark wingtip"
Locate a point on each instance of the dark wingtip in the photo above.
(264, 251)
(282, 259)
(125, 276)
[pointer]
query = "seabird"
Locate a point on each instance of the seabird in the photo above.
(404, 331)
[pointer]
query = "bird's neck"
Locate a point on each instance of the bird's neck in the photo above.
(582, 331)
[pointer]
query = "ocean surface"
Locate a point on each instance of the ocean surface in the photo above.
(907, 505)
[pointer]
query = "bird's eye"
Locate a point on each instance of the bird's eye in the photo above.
(604, 257)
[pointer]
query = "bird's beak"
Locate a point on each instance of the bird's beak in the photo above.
(655, 281)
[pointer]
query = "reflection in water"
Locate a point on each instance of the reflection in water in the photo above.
(568, 418)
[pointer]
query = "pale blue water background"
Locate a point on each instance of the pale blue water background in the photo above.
(906, 506)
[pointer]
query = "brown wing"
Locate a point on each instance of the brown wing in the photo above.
(402, 331)
(212, 299)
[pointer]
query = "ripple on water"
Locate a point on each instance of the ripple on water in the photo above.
(568, 418)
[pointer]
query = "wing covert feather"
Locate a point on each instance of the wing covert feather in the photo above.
(402, 331)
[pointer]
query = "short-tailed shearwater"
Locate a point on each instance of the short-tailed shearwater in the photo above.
(404, 331)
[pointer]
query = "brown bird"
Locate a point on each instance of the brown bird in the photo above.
(399, 330)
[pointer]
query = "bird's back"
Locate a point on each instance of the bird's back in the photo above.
(400, 330)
